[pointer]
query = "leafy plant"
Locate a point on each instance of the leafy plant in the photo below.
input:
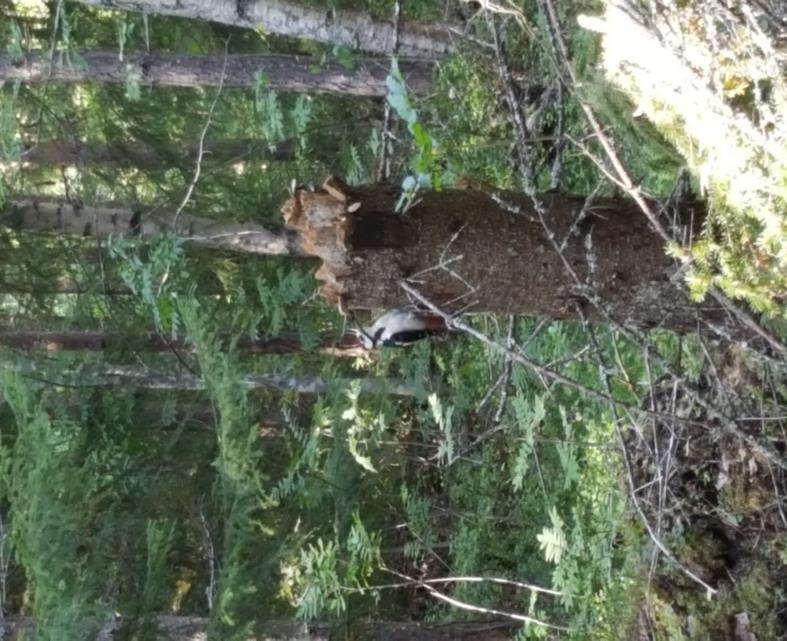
(156, 273)
(552, 539)
(428, 163)
(49, 494)
(363, 430)
(327, 571)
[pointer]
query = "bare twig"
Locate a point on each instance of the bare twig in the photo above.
(749, 322)
(526, 168)
(475, 608)
(472, 579)
(50, 59)
(537, 368)
(654, 535)
(384, 170)
(201, 147)
(508, 367)
(780, 499)
(710, 591)
(210, 557)
(444, 263)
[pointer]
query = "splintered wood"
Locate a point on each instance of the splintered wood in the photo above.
(320, 218)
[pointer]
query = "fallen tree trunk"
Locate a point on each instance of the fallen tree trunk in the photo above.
(553, 255)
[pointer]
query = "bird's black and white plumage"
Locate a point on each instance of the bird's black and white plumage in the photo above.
(400, 327)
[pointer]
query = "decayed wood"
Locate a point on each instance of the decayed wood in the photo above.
(284, 72)
(493, 259)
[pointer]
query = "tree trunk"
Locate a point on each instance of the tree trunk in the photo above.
(53, 287)
(66, 341)
(49, 216)
(109, 375)
(177, 628)
(201, 414)
(462, 248)
(57, 152)
(283, 72)
(353, 29)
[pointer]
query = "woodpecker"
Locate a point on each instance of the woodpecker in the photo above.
(399, 328)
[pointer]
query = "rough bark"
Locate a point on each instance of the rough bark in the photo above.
(352, 29)
(109, 375)
(506, 258)
(65, 341)
(283, 72)
(75, 152)
(176, 628)
(69, 218)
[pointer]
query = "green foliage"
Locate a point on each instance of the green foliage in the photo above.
(318, 574)
(363, 430)
(528, 418)
(442, 417)
(552, 540)
(133, 84)
(160, 538)
(429, 162)
(155, 273)
(464, 480)
(14, 47)
(327, 571)
(10, 147)
(417, 511)
(241, 489)
(280, 297)
(466, 114)
(266, 102)
(49, 490)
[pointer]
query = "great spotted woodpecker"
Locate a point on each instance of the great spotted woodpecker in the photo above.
(400, 327)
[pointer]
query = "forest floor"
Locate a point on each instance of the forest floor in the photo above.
(723, 500)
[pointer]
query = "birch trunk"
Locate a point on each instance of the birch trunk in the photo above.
(352, 29)
(68, 218)
(282, 72)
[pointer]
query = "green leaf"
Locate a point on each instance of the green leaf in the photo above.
(552, 540)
